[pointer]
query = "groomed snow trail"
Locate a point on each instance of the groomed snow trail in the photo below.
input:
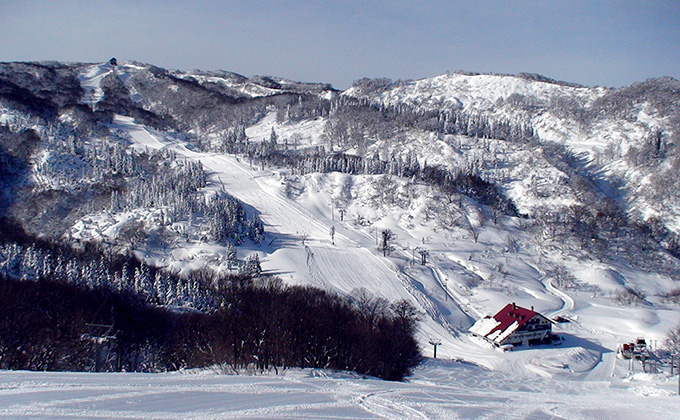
(90, 80)
(345, 266)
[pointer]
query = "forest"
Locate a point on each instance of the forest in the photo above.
(62, 309)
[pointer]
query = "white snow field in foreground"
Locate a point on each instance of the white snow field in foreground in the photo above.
(438, 390)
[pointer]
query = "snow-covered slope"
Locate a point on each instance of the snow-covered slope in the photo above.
(477, 92)
(463, 280)
(438, 391)
(252, 87)
(627, 134)
(90, 80)
(478, 258)
(223, 82)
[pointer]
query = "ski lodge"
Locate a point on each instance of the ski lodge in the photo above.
(513, 325)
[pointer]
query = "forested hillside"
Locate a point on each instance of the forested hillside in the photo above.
(151, 190)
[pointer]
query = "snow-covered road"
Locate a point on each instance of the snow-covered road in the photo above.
(568, 302)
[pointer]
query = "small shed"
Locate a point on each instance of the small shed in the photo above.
(514, 325)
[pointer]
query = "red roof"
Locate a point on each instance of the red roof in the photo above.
(512, 313)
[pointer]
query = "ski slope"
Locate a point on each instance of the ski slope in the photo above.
(463, 279)
(299, 249)
(350, 263)
(90, 80)
(438, 390)
(286, 222)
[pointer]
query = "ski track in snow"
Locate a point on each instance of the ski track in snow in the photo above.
(328, 265)
(464, 303)
(439, 390)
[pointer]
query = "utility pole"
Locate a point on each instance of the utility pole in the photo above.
(676, 357)
(435, 342)
(672, 363)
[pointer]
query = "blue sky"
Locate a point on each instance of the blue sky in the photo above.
(608, 43)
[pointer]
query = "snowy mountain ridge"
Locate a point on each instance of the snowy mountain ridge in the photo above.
(616, 130)
(476, 91)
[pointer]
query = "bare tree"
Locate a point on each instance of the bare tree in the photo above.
(673, 340)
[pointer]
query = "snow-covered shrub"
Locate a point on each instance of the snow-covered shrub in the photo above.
(672, 297)
(629, 296)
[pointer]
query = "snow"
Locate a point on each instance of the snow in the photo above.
(90, 79)
(462, 280)
(477, 92)
(579, 377)
(484, 326)
(245, 87)
(603, 144)
(501, 335)
(301, 134)
(438, 390)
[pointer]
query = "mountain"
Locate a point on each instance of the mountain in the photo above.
(510, 188)
(626, 136)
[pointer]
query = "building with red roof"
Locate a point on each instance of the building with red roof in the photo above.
(513, 325)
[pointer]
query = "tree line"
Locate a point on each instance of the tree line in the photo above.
(61, 319)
